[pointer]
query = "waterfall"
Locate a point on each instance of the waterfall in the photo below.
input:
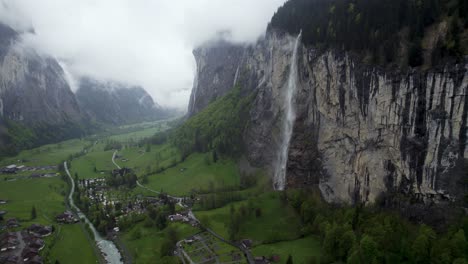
(194, 92)
(288, 119)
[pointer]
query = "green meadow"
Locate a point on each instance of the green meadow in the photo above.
(196, 174)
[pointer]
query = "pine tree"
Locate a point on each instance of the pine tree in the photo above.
(33, 213)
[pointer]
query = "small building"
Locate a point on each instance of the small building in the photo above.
(12, 223)
(37, 243)
(3, 201)
(35, 260)
(8, 244)
(66, 218)
(176, 217)
(247, 243)
(29, 254)
(40, 230)
(261, 260)
(10, 259)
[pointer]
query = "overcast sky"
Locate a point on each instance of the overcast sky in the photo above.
(144, 42)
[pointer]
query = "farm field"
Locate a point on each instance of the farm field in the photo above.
(194, 174)
(302, 251)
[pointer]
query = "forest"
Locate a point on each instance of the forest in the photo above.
(385, 32)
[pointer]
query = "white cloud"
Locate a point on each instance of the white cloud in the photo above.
(145, 42)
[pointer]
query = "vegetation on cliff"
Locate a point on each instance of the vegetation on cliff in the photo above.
(218, 128)
(386, 32)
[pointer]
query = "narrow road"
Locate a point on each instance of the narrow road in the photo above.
(113, 160)
(109, 251)
(191, 215)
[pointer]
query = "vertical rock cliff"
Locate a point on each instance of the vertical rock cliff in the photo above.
(360, 131)
(217, 70)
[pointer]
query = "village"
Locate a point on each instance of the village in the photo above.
(23, 245)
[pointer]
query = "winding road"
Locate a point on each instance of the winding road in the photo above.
(192, 216)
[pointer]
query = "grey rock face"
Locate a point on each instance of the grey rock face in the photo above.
(360, 131)
(115, 103)
(217, 68)
(32, 88)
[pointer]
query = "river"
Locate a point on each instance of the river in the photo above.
(107, 248)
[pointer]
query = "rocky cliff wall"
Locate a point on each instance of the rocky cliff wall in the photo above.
(32, 87)
(361, 131)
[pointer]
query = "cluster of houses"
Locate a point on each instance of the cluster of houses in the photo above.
(183, 217)
(24, 246)
(66, 217)
(13, 168)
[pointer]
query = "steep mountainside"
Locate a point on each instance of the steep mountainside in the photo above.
(362, 132)
(34, 94)
(217, 69)
(116, 104)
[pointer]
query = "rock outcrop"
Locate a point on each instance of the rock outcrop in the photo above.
(361, 131)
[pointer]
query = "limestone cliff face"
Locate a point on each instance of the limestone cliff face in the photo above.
(360, 131)
(217, 69)
(32, 88)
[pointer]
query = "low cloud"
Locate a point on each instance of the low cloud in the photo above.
(141, 42)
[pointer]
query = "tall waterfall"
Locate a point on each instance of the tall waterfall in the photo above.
(288, 119)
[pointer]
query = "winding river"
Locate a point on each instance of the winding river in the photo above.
(107, 248)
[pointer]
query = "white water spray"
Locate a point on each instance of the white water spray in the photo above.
(288, 121)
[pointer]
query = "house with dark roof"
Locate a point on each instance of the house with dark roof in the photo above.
(10, 259)
(29, 254)
(12, 223)
(37, 243)
(66, 218)
(40, 230)
(35, 260)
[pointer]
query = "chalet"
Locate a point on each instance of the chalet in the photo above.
(9, 243)
(246, 243)
(3, 201)
(10, 169)
(66, 218)
(35, 260)
(178, 217)
(29, 254)
(10, 259)
(40, 230)
(36, 243)
(261, 260)
(12, 223)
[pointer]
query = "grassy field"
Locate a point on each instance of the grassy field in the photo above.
(194, 175)
(84, 166)
(47, 195)
(144, 244)
(143, 130)
(71, 246)
(47, 155)
(277, 221)
(142, 159)
(302, 250)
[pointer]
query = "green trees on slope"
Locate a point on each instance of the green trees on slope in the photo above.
(218, 128)
(381, 31)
